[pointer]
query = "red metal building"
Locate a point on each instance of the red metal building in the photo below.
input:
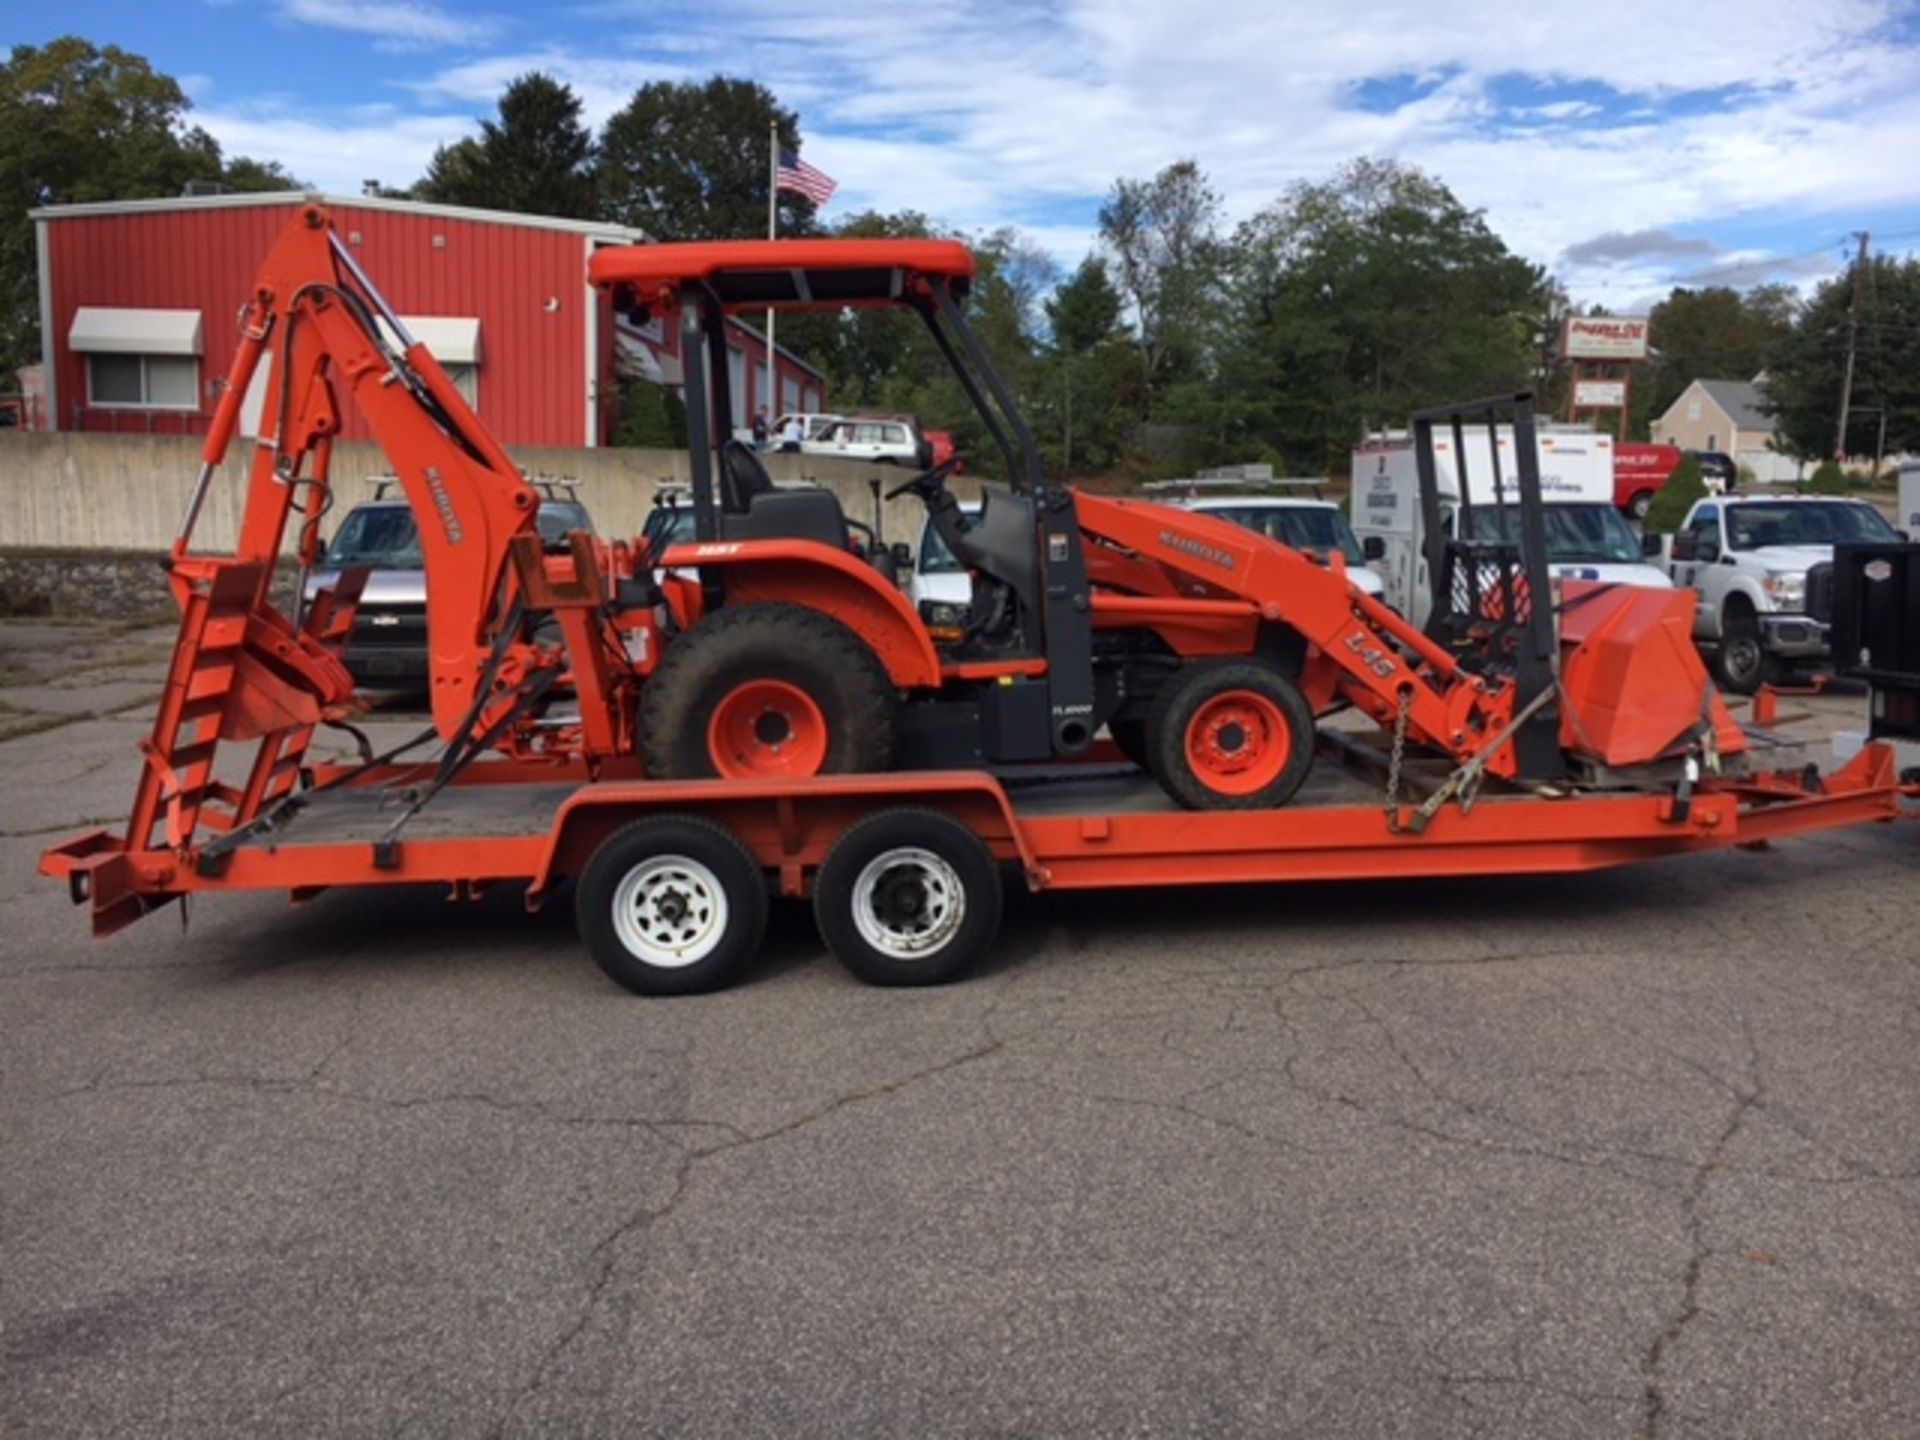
(138, 302)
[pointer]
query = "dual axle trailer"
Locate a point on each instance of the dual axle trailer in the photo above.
(892, 768)
(905, 870)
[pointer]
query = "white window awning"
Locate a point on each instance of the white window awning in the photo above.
(452, 339)
(635, 358)
(99, 330)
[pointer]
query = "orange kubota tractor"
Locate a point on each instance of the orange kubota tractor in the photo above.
(777, 643)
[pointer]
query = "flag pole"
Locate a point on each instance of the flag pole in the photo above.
(771, 402)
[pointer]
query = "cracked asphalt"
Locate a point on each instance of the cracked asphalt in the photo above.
(1631, 1154)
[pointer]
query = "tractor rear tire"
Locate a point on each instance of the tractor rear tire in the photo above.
(766, 692)
(1230, 734)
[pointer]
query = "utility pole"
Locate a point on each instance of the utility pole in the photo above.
(1853, 344)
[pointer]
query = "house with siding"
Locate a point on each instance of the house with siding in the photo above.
(1726, 415)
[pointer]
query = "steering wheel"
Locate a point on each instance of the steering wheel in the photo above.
(927, 481)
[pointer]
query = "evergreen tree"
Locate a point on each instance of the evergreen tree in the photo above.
(536, 159)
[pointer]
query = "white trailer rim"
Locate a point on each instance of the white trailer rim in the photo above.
(908, 903)
(670, 911)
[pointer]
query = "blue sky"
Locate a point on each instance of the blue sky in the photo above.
(1627, 146)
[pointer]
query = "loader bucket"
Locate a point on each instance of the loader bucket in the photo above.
(1635, 686)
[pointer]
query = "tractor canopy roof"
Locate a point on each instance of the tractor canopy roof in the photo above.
(783, 274)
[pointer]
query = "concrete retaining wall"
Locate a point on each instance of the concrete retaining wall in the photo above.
(97, 584)
(117, 493)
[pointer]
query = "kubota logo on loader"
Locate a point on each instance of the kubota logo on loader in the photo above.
(1197, 549)
(443, 506)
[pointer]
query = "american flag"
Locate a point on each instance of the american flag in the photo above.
(796, 175)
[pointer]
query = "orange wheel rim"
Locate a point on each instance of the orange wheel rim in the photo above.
(1238, 742)
(766, 728)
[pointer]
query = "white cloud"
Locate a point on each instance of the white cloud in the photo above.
(996, 112)
(604, 83)
(1559, 110)
(335, 155)
(396, 22)
(1056, 104)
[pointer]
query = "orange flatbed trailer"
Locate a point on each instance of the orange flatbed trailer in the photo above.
(1094, 825)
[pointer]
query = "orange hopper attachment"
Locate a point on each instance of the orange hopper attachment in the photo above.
(1636, 690)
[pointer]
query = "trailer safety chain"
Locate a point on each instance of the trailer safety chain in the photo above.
(1464, 783)
(1396, 757)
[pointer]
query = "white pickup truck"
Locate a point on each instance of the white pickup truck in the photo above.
(1762, 566)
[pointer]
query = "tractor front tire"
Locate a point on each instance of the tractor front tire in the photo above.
(766, 692)
(1230, 734)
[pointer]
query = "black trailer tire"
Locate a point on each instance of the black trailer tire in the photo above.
(1230, 734)
(671, 905)
(1742, 665)
(766, 692)
(908, 897)
(1640, 504)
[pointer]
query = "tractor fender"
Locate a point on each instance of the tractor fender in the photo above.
(834, 582)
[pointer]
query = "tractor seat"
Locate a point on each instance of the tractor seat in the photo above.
(742, 477)
(753, 508)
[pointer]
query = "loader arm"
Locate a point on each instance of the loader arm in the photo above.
(1365, 653)
(314, 319)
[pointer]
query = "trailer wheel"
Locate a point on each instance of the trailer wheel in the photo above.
(1230, 734)
(671, 905)
(1640, 504)
(908, 897)
(766, 692)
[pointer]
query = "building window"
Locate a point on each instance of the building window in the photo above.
(143, 382)
(466, 379)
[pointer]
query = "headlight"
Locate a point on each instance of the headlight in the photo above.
(1789, 592)
(940, 615)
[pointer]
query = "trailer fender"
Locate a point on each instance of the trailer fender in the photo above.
(834, 582)
(789, 825)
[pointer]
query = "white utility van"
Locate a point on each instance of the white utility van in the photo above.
(1586, 537)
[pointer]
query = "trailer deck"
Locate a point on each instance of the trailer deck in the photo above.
(1096, 825)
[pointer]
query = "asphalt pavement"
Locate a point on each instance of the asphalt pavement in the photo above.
(1627, 1154)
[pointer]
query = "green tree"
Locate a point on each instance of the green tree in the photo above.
(868, 356)
(1163, 237)
(1716, 333)
(1684, 485)
(1804, 371)
(686, 161)
(1356, 301)
(650, 417)
(1828, 479)
(536, 159)
(244, 173)
(81, 122)
(1085, 311)
(1081, 400)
